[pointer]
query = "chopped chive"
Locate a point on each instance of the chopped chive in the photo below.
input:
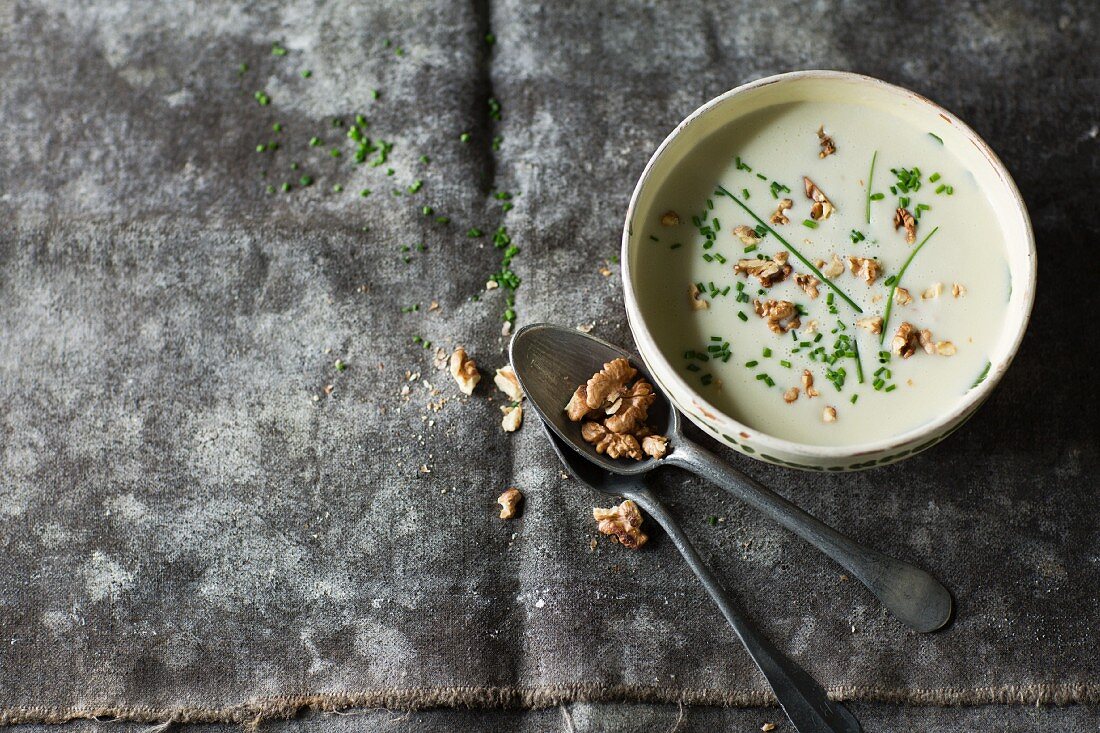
(891, 388)
(277, 50)
(785, 363)
(277, 127)
(314, 142)
(767, 352)
(745, 193)
(416, 186)
(742, 316)
(365, 192)
(934, 177)
(708, 257)
(692, 367)
(809, 223)
(306, 73)
(750, 248)
(474, 232)
(854, 398)
(936, 137)
(464, 137)
(877, 196)
(941, 188)
(676, 246)
(337, 188)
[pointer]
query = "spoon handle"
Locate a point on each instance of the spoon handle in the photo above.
(801, 697)
(911, 594)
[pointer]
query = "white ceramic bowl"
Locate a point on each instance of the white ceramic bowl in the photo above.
(834, 86)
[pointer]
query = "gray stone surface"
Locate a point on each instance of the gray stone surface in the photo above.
(184, 528)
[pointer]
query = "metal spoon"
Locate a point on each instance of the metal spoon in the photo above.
(801, 697)
(550, 361)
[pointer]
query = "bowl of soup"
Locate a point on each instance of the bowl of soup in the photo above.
(826, 271)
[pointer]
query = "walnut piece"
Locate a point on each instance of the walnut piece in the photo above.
(902, 297)
(933, 291)
(464, 370)
(870, 325)
(670, 218)
(810, 327)
(902, 218)
(509, 501)
(834, 268)
(513, 418)
(655, 446)
(623, 522)
(615, 445)
(957, 290)
(632, 409)
(822, 207)
(780, 217)
(578, 408)
(865, 268)
(697, 303)
(609, 383)
(828, 147)
(768, 272)
(506, 381)
(808, 283)
(746, 234)
(905, 341)
(781, 315)
(945, 348)
(808, 384)
(829, 414)
(790, 395)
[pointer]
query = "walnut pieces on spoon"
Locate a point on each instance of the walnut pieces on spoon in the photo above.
(613, 407)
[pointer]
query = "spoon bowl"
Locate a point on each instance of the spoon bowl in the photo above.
(550, 361)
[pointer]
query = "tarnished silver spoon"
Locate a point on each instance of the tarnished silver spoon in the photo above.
(801, 697)
(550, 361)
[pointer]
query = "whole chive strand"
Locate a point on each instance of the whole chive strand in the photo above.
(894, 287)
(791, 248)
(870, 177)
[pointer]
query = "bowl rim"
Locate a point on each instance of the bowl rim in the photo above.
(974, 397)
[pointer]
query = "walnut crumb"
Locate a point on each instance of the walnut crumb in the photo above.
(957, 290)
(746, 234)
(902, 297)
(780, 216)
(870, 325)
(781, 315)
(513, 418)
(623, 522)
(808, 384)
(829, 414)
(945, 348)
(902, 218)
(905, 341)
(808, 283)
(697, 303)
(933, 291)
(828, 147)
(506, 381)
(768, 272)
(822, 207)
(834, 268)
(790, 395)
(865, 268)
(509, 502)
(670, 218)
(767, 727)
(810, 327)
(464, 370)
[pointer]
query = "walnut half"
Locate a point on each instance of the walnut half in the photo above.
(623, 522)
(905, 341)
(615, 445)
(902, 218)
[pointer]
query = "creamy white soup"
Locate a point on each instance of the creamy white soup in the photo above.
(824, 273)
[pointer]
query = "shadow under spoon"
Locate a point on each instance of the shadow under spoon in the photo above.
(550, 361)
(803, 700)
